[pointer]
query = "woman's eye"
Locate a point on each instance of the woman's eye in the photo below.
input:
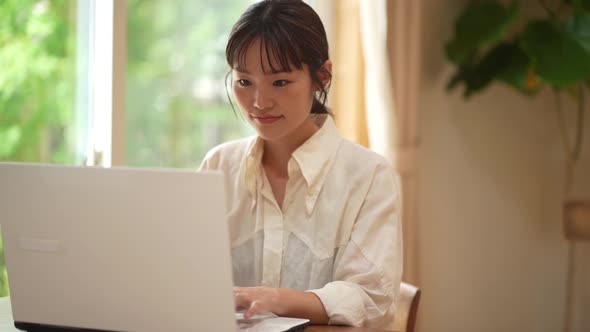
(243, 82)
(280, 83)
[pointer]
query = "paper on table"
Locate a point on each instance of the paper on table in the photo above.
(269, 323)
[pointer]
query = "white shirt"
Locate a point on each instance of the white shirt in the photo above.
(337, 235)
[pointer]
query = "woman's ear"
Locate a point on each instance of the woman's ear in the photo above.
(325, 72)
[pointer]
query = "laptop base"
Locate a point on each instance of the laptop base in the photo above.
(34, 327)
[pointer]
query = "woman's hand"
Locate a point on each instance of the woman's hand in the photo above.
(258, 300)
(281, 302)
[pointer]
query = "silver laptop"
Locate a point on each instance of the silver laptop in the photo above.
(116, 249)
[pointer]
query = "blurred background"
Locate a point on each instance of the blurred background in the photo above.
(487, 163)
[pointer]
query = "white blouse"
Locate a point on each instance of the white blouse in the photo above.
(337, 235)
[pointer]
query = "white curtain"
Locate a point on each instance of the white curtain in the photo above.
(380, 112)
(391, 48)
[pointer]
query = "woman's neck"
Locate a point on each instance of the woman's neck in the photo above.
(277, 153)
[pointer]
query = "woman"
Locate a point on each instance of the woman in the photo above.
(314, 219)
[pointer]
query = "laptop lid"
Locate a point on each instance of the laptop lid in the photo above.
(117, 249)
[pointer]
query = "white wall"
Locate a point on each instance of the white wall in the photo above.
(492, 254)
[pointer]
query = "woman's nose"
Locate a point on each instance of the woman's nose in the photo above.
(263, 100)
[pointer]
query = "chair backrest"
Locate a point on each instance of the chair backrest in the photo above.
(407, 308)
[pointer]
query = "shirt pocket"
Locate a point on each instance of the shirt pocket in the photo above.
(302, 269)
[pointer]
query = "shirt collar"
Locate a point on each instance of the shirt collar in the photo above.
(252, 167)
(314, 157)
(315, 154)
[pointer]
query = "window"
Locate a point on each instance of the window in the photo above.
(38, 81)
(176, 102)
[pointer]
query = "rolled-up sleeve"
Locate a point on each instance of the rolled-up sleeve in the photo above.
(367, 270)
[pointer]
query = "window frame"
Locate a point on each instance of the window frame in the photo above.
(100, 101)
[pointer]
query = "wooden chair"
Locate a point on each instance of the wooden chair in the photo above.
(407, 308)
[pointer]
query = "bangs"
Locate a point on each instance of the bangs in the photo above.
(275, 44)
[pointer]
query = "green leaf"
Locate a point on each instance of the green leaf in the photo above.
(505, 62)
(9, 140)
(558, 56)
(517, 70)
(578, 26)
(582, 4)
(481, 24)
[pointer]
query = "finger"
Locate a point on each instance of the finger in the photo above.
(256, 308)
(241, 301)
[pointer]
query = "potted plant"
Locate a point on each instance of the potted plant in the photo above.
(550, 52)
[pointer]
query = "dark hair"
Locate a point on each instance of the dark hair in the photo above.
(291, 33)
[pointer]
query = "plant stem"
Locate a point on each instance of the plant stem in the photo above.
(561, 122)
(561, 7)
(549, 11)
(579, 125)
(569, 285)
(569, 163)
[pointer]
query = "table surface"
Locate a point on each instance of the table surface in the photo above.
(323, 328)
(7, 324)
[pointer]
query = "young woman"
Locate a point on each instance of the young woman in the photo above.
(314, 219)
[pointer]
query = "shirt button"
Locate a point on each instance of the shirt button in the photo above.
(310, 191)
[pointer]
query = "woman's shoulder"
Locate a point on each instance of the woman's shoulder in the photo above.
(228, 153)
(232, 147)
(358, 156)
(364, 167)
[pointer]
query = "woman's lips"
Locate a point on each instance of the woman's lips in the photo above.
(266, 119)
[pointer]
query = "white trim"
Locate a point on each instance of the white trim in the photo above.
(104, 119)
(84, 56)
(102, 67)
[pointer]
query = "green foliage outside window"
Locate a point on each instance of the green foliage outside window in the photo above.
(176, 103)
(37, 57)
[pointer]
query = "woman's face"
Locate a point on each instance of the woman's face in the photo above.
(278, 104)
